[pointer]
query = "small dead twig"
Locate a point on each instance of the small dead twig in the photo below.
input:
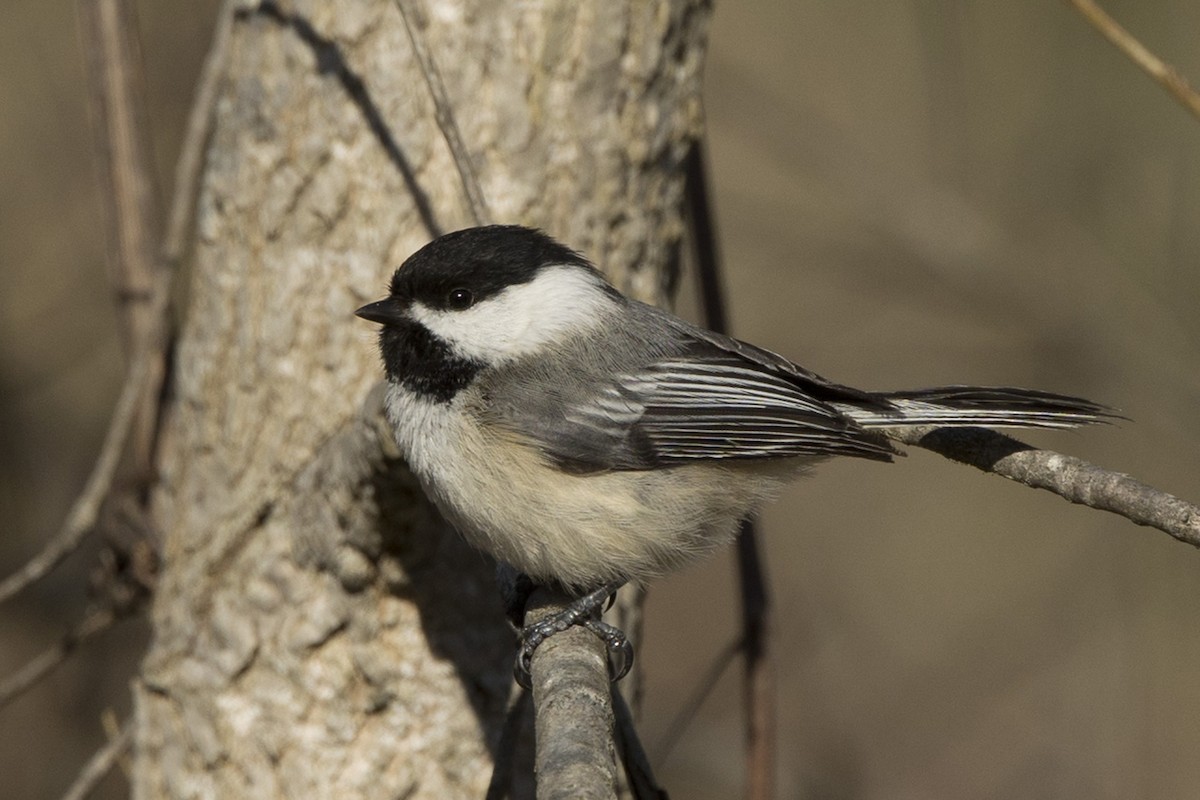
(101, 763)
(195, 141)
(330, 60)
(173, 244)
(500, 785)
(86, 510)
(642, 783)
(117, 98)
(138, 402)
(415, 23)
(758, 687)
(1162, 73)
(42, 665)
(687, 711)
(122, 145)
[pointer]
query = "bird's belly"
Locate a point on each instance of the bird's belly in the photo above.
(580, 530)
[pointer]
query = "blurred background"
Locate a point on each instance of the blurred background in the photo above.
(908, 194)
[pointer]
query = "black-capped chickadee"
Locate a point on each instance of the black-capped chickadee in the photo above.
(587, 439)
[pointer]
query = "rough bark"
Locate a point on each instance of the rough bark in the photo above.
(318, 631)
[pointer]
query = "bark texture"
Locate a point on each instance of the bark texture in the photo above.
(318, 632)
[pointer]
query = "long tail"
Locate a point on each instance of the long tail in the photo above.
(979, 406)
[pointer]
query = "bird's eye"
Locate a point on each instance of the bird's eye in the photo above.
(458, 299)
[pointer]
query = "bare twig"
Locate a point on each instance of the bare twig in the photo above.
(415, 23)
(113, 727)
(642, 783)
(1071, 478)
(1163, 74)
(116, 90)
(687, 711)
(758, 686)
(573, 726)
(500, 785)
(174, 242)
(42, 665)
(86, 509)
(129, 190)
(330, 60)
(191, 155)
(100, 764)
(138, 401)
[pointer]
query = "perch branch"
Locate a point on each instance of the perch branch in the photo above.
(100, 764)
(1071, 478)
(1163, 74)
(415, 23)
(572, 699)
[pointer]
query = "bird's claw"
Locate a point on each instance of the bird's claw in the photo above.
(620, 651)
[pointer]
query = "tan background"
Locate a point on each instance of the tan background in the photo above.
(909, 194)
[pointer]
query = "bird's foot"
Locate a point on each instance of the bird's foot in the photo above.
(581, 611)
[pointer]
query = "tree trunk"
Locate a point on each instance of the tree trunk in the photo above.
(318, 632)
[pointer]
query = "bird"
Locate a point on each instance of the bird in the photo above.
(588, 440)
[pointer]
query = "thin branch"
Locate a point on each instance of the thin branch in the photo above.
(1163, 74)
(687, 712)
(500, 785)
(330, 60)
(642, 783)
(112, 729)
(122, 139)
(190, 165)
(1071, 478)
(173, 243)
(143, 383)
(100, 764)
(86, 510)
(758, 685)
(573, 713)
(42, 665)
(415, 23)
(117, 97)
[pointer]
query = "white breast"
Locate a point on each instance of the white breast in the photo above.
(581, 530)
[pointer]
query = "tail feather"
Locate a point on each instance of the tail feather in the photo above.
(979, 406)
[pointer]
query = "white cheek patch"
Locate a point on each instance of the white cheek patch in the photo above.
(523, 319)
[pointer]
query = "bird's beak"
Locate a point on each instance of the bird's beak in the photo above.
(387, 311)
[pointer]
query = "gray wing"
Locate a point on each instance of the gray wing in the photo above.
(712, 398)
(719, 407)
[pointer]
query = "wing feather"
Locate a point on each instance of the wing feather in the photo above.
(715, 405)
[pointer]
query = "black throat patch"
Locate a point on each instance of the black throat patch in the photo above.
(423, 363)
